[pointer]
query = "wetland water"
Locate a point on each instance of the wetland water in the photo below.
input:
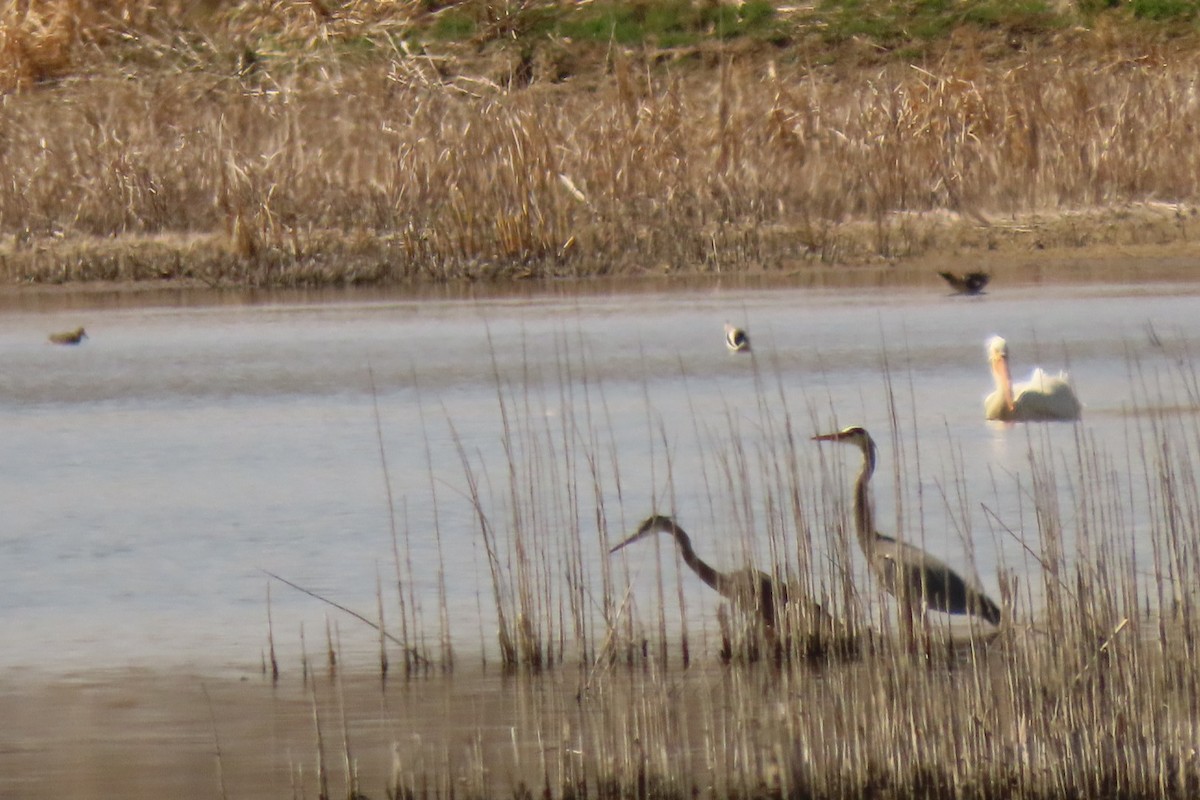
(151, 473)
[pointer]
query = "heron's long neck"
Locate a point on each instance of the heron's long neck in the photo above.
(864, 517)
(703, 570)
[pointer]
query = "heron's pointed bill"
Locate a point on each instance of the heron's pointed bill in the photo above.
(630, 540)
(834, 437)
(652, 524)
(641, 533)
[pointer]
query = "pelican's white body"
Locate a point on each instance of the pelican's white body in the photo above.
(1043, 397)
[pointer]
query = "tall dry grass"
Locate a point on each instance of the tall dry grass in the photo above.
(1091, 689)
(237, 155)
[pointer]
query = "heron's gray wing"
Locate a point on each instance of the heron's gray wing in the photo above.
(923, 577)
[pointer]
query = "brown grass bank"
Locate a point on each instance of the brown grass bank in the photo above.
(264, 146)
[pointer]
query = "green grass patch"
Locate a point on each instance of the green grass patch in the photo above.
(895, 25)
(453, 26)
(1165, 10)
(673, 23)
(904, 29)
(1026, 15)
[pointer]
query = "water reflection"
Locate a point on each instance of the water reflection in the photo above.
(154, 471)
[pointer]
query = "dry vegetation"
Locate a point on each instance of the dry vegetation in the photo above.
(315, 143)
(1089, 690)
(259, 146)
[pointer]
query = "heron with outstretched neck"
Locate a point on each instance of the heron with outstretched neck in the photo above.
(914, 577)
(751, 590)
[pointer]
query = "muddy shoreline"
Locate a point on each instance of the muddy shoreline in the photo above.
(1022, 261)
(613, 732)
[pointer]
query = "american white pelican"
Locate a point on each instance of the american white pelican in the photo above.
(68, 337)
(1042, 397)
(736, 339)
(968, 283)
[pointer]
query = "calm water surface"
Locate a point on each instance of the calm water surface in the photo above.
(151, 474)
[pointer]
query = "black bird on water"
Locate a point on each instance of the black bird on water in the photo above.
(967, 283)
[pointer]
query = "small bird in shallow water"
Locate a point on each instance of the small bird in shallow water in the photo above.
(968, 283)
(68, 337)
(736, 339)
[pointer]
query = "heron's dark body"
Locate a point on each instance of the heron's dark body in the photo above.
(933, 583)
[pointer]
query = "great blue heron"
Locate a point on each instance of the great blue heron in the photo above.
(68, 337)
(1043, 397)
(907, 572)
(736, 339)
(751, 590)
(968, 283)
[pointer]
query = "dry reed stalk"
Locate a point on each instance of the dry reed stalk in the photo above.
(410, 652)
(530, 608)
(391, 506)
(574, 558)
(661, 604)
(447, 648)
(322, 772)
(271, 639)
(404, 606)
(216, 745)
(504, 632)
(331, 658)
(447, 651)
(532, 642)
(303, 658)
(383, 657)
(350, 765)
(1091, 687)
